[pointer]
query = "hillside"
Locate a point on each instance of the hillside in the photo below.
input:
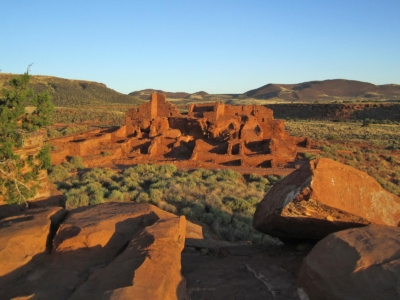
(71, 93)
(336, 89)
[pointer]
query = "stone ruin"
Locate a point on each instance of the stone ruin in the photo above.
(214, 134)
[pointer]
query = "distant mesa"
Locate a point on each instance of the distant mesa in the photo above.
(210, 134)
(325, 90)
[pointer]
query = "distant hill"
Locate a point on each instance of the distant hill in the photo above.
(145, 94)
(70, 93)
(339, 89)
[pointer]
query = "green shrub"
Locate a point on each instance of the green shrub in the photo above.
(115, 196)
(330, 137)
(227, 174)
(366, 123)
(143, 197)
(215, 198)
(76, 198)
(309, 156)
(167, 207)
(187, 211)
(77, 162)
(58, 174)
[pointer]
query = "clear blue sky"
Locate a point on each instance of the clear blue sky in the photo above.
(211, 45)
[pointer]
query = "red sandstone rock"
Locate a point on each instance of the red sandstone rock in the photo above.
(24, 235)
(107, 241)
(149, 268)
(88, 227)
(224, 134)
(322, 197)
(361, 263)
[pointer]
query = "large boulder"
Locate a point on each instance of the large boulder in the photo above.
(359, 263)
(322, 197)
(24, 235)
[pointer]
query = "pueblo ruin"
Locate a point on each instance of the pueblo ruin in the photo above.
(209, 135)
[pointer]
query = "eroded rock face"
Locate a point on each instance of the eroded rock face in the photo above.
(111, 243)
(359, 263)
(149, 268)
(24, 235)
(322, 197)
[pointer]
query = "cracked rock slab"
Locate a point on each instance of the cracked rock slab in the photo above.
(149, 268)
(323, 197)
(89, 241)
(24, 235)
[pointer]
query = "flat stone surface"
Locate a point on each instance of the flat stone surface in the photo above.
(240, 272)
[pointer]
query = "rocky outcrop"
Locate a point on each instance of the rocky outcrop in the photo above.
(322, 197)
(108, 250)
(149, 268)
(24, 235)
(361, 263)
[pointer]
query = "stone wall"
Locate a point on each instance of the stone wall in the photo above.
(210, 132)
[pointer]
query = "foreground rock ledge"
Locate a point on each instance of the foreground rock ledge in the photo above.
(106, 251)
(323, 197)
(24, 235)
(359, 263)
(149, 268)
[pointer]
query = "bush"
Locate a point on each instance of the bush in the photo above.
(155, 196)
(215, 198)
(76, 198)
(115, 196)
(77, 162)
(366, 123)
(143, 197)
(58, 174)
(309, 156)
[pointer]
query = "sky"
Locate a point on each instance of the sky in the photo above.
(215, 46)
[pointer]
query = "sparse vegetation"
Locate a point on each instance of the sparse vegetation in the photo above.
(65, 131)
(73, 93)
(366, 148)
(384, 135)
(224, 199)
(104, 116)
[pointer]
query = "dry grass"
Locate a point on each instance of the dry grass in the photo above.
(383, 135)
(373, 149)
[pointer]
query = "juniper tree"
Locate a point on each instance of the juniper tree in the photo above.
(15, 126)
